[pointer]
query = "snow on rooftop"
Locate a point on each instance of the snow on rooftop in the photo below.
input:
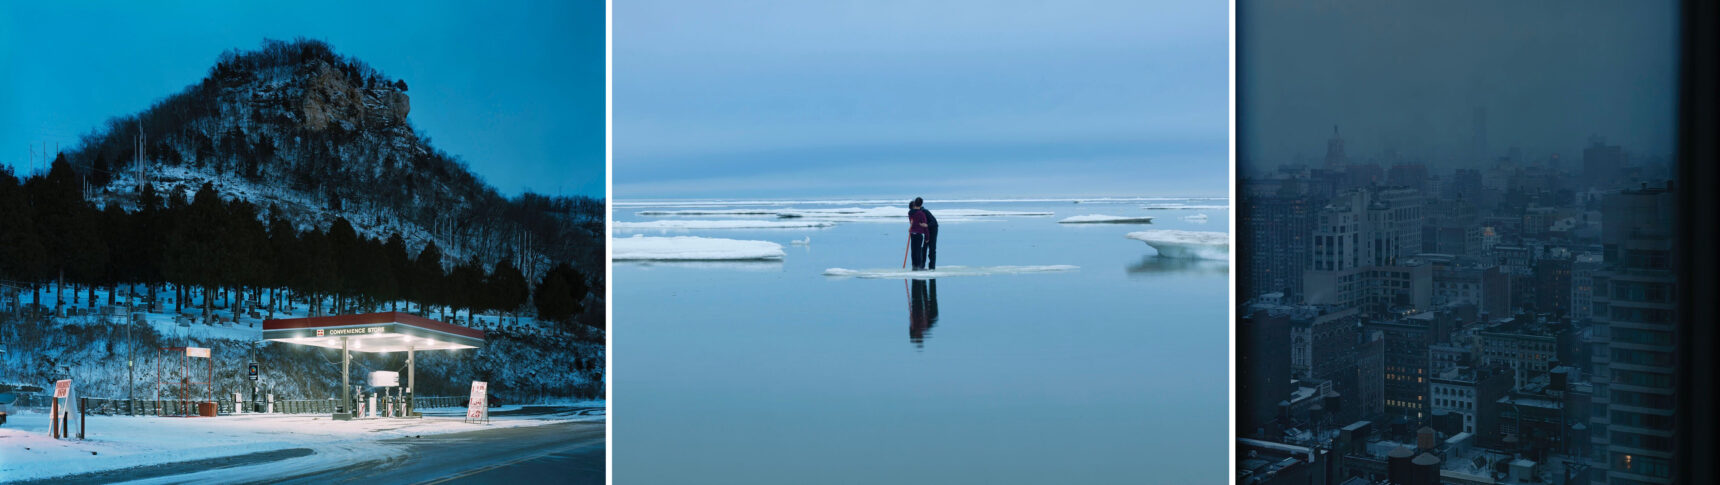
(724, 224)
(1186, 244)
(1105, 219)
(692, 248)
(946, 271)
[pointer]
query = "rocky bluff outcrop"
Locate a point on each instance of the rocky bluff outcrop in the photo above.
(330, 97)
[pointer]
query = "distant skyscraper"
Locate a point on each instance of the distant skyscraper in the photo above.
(1633, 425)
(1478, 139)
(1335, 158)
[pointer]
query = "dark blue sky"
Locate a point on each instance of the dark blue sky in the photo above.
(515, 90)
(1409, 76)
(903, 98)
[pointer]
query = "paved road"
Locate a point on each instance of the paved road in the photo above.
(555, 453)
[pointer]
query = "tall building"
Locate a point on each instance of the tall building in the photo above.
(1406, 365)
(1633, 427)
(1278, 226)
(1361, 249)
(1335, 158)
(1262, 371)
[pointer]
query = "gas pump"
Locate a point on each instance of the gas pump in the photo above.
(383, 380)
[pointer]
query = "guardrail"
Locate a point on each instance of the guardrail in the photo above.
(165, 407)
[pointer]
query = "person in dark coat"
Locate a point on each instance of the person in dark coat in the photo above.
(931, 238)
(918, 229)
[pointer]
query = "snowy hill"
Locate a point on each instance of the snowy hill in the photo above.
(321, 144)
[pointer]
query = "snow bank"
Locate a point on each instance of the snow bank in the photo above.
(735, 224)
(691, 248)
(1186, 244)
(946, 271)
(1104, 219)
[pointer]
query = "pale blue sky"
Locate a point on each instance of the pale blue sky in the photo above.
(941, 99)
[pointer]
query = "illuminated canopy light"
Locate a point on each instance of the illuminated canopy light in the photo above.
(373, 332)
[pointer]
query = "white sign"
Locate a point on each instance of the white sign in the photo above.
(476, 407)
(384, 378)
(197, 352)
(62, 388)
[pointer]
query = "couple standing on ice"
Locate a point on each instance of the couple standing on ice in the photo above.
(922, 236)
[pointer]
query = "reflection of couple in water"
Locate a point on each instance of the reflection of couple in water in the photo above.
(922, 309)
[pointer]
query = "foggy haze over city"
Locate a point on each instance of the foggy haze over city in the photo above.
(1411, 78)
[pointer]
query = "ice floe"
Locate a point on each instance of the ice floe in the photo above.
(1186, 244)
(946, 271)
(1197, 218)
(1183, 206)
(691, 248)
(1104, 219)
(727, 224)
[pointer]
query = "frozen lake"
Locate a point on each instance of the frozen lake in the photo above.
(774, 372)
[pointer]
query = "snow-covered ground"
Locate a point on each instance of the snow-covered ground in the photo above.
(687, 225)
(1105, 219)
(692, 248)
(947, 271)
(1186, 244)
(111, 443)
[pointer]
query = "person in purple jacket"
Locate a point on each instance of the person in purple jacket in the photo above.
(917, 231)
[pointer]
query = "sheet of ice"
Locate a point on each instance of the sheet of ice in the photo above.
(1105, 219)
(1186, 244)
(684, 225)
(1197, 218)
(691, 248)
(710, 212)
(1183, 206)
(946, 271)
(747, 265)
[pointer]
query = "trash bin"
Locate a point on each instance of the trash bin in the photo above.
(207, 409)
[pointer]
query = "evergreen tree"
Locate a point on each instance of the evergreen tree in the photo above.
(560, 296)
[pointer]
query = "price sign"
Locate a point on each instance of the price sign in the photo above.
(476, 408)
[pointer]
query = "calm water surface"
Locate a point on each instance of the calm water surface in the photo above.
(773, 373)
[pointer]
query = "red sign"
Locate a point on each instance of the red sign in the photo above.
(197, 352)
(476, 407)
(62, 387)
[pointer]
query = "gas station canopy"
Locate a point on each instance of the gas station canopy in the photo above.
(373, 332)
